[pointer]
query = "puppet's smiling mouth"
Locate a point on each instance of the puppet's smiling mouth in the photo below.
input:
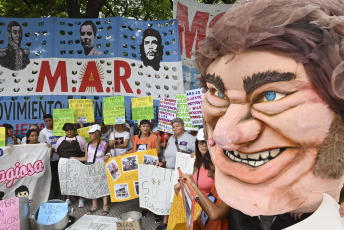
(255, 159)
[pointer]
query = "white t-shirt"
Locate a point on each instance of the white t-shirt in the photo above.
(120, 138)
(47, 136)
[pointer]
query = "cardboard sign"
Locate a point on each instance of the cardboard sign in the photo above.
(2, 136)
(62, 116)
(167, 112)
(92, 222)
(131, 225)
(83, 132)
(142, 108)
(9, 214)
(82, 108)
(194, 100)
(183, 112)
(122, 174)
(155, 188)
(113, 110)
(78, 179)
(51, 213)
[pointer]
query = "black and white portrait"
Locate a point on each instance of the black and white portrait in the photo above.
(151, 49)
(13, 57)
(88, 33)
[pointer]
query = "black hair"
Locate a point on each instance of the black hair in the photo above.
(142, 123)
(22, 188)
(155, 63)
(89, 23)
(68, 126)
(199, 158)
(29, 133)
(46, 116)
(8, 126)
(12, 24)
(2, 194)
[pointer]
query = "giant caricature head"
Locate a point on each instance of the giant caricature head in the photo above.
(274, 107)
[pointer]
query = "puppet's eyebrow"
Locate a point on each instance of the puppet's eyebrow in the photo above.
(262, 78)
(216, 81)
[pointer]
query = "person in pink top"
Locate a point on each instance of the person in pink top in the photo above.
(200, 176)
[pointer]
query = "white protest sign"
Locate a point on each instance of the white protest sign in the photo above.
(92, 222)
(87, 181)
(9, 214)
(194, 99)
(186, 164)
(155, 188)
(167, 112)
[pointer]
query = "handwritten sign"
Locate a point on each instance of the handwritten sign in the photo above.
(122, 174)
(62, 116)
(82, 108)
(167, 112)
(51, 213)
(113, 110)
(2, 136)
(155, 188)
(91, 222)
(9, 214)
(142, 108)
(183, 112)
(194, 100)
(87, 181)
(131, 225)
(83, 132)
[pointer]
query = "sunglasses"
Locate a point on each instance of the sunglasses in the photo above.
(202, 142)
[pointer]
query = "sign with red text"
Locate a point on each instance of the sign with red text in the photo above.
(194, 100)
(167, 112)
(194, 19)
(25, 172)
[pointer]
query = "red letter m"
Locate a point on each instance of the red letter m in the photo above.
(52, 80)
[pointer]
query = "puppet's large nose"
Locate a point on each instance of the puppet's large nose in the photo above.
(236, 128)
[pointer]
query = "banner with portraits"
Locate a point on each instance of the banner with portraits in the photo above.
(25, 172)
(122, 174)
(46, 61)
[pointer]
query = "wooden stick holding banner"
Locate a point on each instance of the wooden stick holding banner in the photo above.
(189, 199)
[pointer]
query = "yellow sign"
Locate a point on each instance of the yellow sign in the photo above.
(177, 218)
(2, 136)
(83, 110)
(83, 132)
(142, 108)
(122, 174)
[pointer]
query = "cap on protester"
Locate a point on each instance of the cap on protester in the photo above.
(68, 126)
(200, 135)
(94, 128)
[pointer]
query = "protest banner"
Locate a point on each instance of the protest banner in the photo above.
(194, 19)
(177, 217)
(25, 171)
(167, 112)
(142, 108)
(122, 174)
(51, 213)
(2, 136)
(78, 179)
(83, 132)
(9, 214)
(194, 100)
(83, 110)
(185, 163)
(183, 112)
(155, 188)
(62, 116)
(92, 222)
(113, 110)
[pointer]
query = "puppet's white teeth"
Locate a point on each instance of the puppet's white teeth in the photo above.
(256, 159)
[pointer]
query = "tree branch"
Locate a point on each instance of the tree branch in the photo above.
(93, 7)
(73, 9)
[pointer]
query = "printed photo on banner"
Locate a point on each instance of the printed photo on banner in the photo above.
(141, 147)
(121, 191)
(113, 169)
(136, 186)
(149, 160)
(129, 163)
(151, 49)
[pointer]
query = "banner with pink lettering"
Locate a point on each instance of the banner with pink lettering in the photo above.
(193, 21)
(25, 172)
(46, 61)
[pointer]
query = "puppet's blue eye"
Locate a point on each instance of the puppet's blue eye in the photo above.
(273, 96)
(220, 95)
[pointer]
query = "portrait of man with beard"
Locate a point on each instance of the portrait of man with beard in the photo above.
(88, 33)
(274, 111)
(13, 57)
(151, 49)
